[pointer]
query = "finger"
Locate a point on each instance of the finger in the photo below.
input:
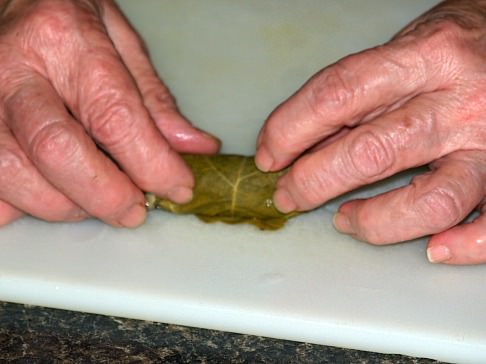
(463, 244)
(357, 88)
(408, 137)
(25, 189)
(67, 157)
(8, 213)
(113, 113)
(180, 134)
(432, 203)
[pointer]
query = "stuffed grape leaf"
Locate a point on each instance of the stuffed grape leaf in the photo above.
(231, 189)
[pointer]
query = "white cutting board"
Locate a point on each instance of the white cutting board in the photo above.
(229, 63)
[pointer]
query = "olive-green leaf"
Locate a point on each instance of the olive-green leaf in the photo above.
(231, 189)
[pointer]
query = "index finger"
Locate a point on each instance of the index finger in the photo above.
(353, 90)
(113, 112)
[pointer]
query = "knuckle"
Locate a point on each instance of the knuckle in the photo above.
(12, 162)
(448, 29)
(157, 97)
(54, 143)
(440, 209)
(366, 228)
(310, 184)
(331, 91)
(48, 21)
(371, 237)
(442, 44)
(154, 91)
(51, 21)
(109, 106)
(370, 155)
(110, 195)
(111, 125)
(110, 205)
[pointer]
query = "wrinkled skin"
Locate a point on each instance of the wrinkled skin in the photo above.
(419, 99)
(85, 122)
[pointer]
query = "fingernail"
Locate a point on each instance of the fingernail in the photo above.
(213, 140)
(438, 254)
(207, 135)
(180, 194)
(342, 223)
(263, 160)
(135, 216)
(283, 201)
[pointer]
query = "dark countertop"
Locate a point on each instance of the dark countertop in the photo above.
(30, 334)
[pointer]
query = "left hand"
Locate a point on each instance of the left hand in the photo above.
(86, 124)
(419, 99)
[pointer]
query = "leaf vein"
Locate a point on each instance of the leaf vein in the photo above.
(221, 174)
(235, 187)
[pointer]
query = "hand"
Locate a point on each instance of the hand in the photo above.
(85, 122)
(419, 99)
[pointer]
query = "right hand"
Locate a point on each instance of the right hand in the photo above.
(77, 83)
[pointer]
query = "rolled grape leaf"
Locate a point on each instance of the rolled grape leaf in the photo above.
(231, 189)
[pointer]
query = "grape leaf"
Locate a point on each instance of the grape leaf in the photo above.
(231, 189)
